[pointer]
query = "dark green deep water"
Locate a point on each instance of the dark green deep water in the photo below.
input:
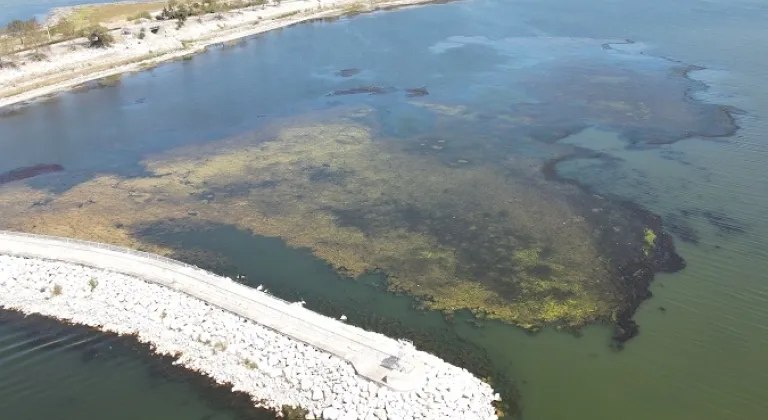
(701, 357)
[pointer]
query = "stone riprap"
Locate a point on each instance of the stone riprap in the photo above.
(273, 368)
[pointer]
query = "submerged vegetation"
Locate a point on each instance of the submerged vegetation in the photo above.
(516, 249)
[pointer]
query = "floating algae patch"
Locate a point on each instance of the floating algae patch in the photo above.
(28, 172)
(456, 237)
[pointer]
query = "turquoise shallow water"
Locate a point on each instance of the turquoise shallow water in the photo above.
(701, 356)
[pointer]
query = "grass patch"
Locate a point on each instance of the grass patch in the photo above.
(250, 364)
(219, 346)
(141, 15)
(57, 290)
(91, 15)
(92, 283)
(355, 8)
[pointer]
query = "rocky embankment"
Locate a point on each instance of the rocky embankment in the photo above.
(273, 368)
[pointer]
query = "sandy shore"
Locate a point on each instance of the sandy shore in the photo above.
(71, 63)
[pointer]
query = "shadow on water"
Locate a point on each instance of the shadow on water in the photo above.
(110, 368)
(294, 274)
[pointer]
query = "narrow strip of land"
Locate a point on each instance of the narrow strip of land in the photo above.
(137, 43)
(373, 356)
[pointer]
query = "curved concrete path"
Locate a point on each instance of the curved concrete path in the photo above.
(373, 356)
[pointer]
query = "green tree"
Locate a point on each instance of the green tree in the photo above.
(31, 33)
(6, 49)
(15, 29)
(181, 15)
(34, 34)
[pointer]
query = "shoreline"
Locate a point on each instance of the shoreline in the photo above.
(275, 369)
(72, 69)
(168, 367)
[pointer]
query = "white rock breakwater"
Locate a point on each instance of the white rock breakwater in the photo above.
(273, 368)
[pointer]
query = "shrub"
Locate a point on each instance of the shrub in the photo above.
(6, 64)
(65, 28)
(57, 290)
(142, 33)
(141, 15)
(98, 36)
(93, 283)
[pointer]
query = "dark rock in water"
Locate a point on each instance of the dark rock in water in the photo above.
(347, 72)
(371, 90)
(413, 93)
(28, 172)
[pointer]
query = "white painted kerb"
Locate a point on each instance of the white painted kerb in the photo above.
(364, 350)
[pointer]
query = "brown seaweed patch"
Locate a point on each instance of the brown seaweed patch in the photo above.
(416, 92)
(29, 172)
(348, 72)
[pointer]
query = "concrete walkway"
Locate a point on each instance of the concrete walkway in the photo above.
(373, 356)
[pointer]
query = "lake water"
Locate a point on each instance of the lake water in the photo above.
(170, 159)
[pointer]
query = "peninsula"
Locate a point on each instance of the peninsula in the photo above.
(278, 352)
